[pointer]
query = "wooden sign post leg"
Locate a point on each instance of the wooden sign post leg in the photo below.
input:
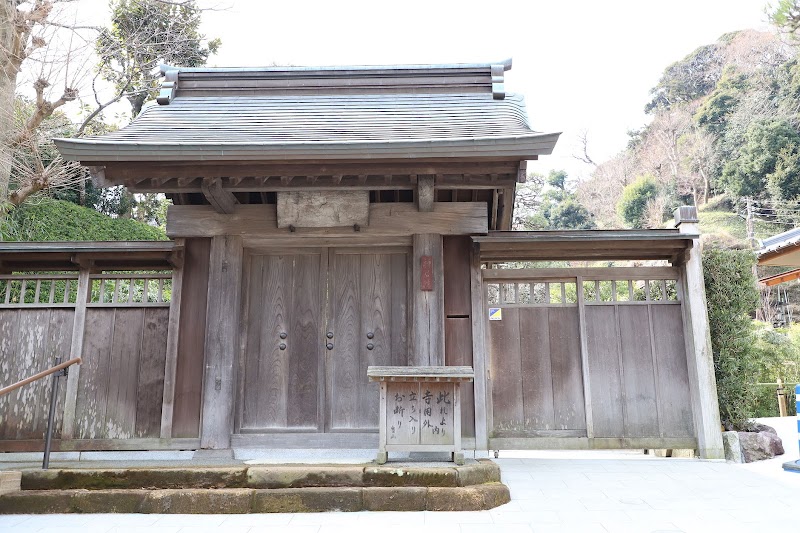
(383, 455)
(458, 452)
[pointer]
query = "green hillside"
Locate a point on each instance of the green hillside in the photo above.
(719, 219)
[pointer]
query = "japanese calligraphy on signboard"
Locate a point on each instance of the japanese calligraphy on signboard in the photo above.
(420, 413)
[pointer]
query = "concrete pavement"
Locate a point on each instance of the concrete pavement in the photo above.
(584, 492)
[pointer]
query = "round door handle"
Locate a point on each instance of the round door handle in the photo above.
(329, 346)
(282, 346)
(370, 335)
(370, 346)
(329, 335)
(283, 335)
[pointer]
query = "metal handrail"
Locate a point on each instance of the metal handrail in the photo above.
(40, 375)
(59, 370)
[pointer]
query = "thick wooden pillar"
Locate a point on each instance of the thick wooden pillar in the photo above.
(702, 382)
(428, 301)
(222, 327)
(479, 360)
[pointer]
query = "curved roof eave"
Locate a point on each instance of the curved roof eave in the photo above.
(519, 147)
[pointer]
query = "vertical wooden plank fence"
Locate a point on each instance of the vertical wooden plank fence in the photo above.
(587, 358)
(118, 323)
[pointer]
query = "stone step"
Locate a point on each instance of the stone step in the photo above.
(263, 477)
(250, 500)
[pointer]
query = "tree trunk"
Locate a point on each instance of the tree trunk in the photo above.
(706, 187)
(8, 83)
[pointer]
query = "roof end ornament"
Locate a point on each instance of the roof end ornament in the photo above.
(498, 79)
(170, 84)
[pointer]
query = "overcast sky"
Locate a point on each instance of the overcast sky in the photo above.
(581, 64)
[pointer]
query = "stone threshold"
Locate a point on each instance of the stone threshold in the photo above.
(258, 489)
(240, 501)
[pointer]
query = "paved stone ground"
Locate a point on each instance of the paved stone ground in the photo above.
(551, 491)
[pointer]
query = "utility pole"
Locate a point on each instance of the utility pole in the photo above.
(751, 236)
(761, 311)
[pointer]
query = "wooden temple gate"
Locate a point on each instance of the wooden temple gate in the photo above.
(328, 219)
(587, 358)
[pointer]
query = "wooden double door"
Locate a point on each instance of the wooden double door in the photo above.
(313, 320)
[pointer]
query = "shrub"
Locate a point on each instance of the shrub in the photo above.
(635, 197)
(58, 220)
(732, 298)
(767, 400)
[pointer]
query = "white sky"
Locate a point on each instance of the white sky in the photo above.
(581, 64)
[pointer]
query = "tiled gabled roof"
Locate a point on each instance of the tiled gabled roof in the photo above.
(407, 112)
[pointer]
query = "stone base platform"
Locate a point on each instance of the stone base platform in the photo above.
(259, 489)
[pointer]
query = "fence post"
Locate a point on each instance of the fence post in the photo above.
(68, 429)
(797, 406)
(702, 383)
(782, 408)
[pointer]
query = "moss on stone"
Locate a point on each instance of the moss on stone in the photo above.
(308, 500)
(280, 477)
(395, 498)
(383, 476)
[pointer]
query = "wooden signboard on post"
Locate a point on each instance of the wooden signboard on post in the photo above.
(420, 408)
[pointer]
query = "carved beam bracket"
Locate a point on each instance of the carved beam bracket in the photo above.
(223, 201)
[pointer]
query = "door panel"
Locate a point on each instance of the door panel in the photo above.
(369, 320)
(361, 299)
(343, 360)
(280, 370)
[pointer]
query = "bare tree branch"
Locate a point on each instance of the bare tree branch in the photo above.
(583, 139)
(99, 109)
(44, 109)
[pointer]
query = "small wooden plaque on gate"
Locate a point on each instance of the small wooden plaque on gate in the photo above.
(426, 273)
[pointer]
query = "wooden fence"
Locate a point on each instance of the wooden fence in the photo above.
(120, 323)
(583, 358)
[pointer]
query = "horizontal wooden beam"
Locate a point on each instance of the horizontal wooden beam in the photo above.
(581, 236)
(319, 183)
(596, 443)
(385, 220)
(587, 249)
(610, 273)
(609, 255)
(351, 240)
(116, 171)
(77, 445)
